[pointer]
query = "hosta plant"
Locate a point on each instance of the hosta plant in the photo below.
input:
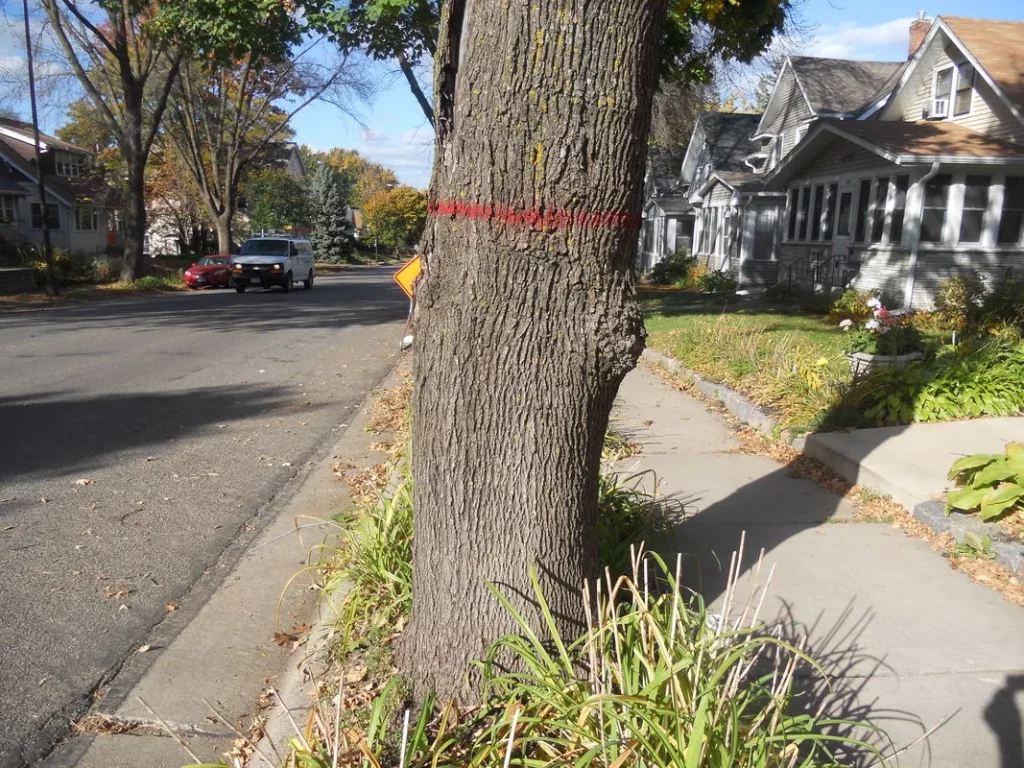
(991, 484)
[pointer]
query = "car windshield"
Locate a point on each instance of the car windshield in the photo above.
(265, 248)
(209, 261)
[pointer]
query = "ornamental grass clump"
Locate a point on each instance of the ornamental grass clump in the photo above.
(656, 680)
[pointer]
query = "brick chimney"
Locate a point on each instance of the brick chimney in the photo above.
(918, 30)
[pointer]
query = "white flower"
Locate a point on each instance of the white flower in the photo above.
(846, 324)
(872, 325)
(874, 303)
(885, 329)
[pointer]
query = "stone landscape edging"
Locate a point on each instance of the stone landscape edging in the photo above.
(1009, 554)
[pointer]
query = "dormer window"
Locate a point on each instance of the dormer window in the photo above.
(952, 91)
(70, 165)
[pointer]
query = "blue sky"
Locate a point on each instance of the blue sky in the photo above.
(394, 132)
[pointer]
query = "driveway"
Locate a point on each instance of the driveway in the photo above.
(138, 440)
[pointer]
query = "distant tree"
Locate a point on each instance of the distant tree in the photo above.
(368, 178)
(395, 218)
(172, 195)
(331, 235)
(275, 200)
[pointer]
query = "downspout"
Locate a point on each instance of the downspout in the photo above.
(915, 241)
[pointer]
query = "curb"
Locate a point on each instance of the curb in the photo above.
(1008, 553)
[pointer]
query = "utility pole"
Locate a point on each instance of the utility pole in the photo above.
(51, 278)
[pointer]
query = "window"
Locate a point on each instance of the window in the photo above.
(964, 89)
(830, 210)
(878, 209)
(87, 219)
(794, 195)
(936, 199)
(52, 217)
(70, 165)
(975, 204)
(1011, 222)
(863, 201)
(845, 208)
(8, 209)
(899, 210)
(805, 206)
(941, 92)
(819, 199)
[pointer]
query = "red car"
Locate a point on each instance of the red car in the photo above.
(213, 271)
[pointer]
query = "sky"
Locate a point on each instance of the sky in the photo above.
(392, 130)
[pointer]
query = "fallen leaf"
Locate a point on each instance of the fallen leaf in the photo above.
(44, 500)
(648, 422)
(85, 481)
(143, 649)
(171, 607)
(7, 528)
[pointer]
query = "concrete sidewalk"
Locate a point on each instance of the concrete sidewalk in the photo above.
(907, 640)
(910, 463)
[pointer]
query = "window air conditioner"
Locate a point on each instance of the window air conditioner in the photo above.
(940, 108)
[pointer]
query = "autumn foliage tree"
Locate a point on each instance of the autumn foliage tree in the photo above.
(395, 217)
(368, 178)
(526, 320)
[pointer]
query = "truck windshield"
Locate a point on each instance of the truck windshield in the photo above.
(265, 248)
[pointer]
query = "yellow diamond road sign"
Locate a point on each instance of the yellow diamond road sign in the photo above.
(406, 276)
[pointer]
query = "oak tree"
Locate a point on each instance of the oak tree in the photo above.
(526, 321)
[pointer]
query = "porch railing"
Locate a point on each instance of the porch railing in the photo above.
(819, 271)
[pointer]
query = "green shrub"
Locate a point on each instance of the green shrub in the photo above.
(104, 272)
(853, 305)
(674, 269)
(967, 382)
(154, 283)
(958, 301)
(1005, 304)
(715, 282)
(900, 339)
(990, 484)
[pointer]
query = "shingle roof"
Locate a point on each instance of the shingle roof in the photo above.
(673, 204)
(26, 129)
(927, 139)
(727, 136)
(843, 86)
(999, 48)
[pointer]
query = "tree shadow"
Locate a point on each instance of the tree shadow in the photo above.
(1004, 718)
(66, 434)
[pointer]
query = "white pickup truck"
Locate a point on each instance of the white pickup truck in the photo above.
(273, 260)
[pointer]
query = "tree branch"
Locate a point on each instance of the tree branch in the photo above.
(414, 86)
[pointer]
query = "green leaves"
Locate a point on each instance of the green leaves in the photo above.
(990, 484)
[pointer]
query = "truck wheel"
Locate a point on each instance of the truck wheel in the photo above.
(287, 285)
(239, 288)
(308, 282)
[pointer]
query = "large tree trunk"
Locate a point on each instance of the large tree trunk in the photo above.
(526, 321)
(134, 219)
(223, 222)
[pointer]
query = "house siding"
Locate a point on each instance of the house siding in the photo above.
(840, 157)
(883, 270)
(988, 114)
(935, 266)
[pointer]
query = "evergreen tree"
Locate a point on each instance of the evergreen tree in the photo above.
(331, 236)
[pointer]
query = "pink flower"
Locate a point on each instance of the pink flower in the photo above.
(882, 312)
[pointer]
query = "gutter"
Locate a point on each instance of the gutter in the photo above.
(915, 243)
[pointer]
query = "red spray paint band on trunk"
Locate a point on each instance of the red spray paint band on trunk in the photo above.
(535, 218)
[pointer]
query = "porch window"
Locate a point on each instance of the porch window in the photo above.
(878, 209)
(1011, 223)
(819, 200)
(830, 211)
(87, 219)
(52, 216)
(899, 210)
(936, 200)
(8, 209)
(845, 209)
(863, 202)
(972, 223)
(794, 196)
(805, 206)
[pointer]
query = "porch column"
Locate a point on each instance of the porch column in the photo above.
(912, 228)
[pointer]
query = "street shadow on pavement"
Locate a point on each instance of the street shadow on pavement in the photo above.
(1004, 718)
(57, 433)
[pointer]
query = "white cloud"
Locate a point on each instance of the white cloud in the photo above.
(409, 153)
(888, 40)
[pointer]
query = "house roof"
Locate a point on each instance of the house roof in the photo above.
(743, 182)
(727, 136)
(19, 126)
(903, 143)
(22, 157)
(844, 86)
(673, 204)
(999, 48)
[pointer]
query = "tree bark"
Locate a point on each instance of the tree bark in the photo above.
(223, 222)
(526, 319)
(134, 213)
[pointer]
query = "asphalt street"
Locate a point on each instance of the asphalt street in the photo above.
(138, 440)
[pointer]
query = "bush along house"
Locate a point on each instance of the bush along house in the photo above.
(80, 207)
(925, 184)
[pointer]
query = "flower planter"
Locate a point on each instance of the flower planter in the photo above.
(863, 363)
